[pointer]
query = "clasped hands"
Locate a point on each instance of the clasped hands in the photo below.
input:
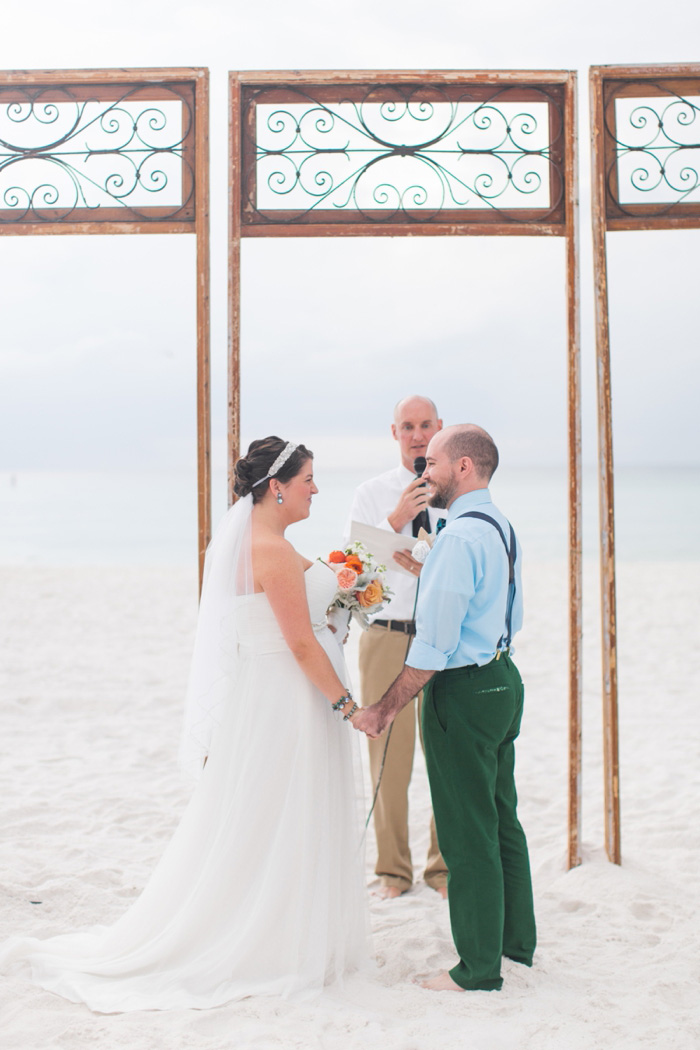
(371, 720)
(375, 719)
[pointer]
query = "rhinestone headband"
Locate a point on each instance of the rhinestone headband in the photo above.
(284, 455)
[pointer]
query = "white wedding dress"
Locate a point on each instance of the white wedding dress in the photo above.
(260, 891)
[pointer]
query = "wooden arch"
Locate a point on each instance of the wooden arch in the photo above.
(645, 141)
(452, 153)
(105, 151)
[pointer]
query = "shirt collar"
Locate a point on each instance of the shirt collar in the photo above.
(405, 474)
(467, 501)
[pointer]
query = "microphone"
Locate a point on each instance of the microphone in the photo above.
(419, 465)
(422, 519)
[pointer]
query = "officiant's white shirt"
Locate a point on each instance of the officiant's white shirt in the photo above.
(372, 504)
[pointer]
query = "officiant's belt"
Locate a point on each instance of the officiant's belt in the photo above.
(403, 626)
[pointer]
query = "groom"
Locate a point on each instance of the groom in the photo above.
(469, 606)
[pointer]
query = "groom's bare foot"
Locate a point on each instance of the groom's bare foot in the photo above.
(442, 983)
(442, 890)
(387, 893)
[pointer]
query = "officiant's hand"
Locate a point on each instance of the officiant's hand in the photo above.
(406, 560)
(414, 498)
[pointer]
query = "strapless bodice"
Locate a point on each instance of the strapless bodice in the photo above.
(257, 626)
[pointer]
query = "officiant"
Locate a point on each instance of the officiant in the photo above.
(397, 500)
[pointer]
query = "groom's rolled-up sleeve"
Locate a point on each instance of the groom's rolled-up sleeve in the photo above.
(447, 585)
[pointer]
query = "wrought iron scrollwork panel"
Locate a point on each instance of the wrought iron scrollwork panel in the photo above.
(75, 154)
(391, 154)
(655, 160)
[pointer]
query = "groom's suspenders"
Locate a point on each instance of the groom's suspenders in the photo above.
(512, 554)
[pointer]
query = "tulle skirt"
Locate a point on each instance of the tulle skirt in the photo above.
(260, 891)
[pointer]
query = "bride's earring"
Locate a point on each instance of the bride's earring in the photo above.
(279, 498)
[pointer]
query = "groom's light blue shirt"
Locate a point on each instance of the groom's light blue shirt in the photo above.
(461, 614)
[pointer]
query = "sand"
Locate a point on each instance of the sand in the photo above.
(92, 677)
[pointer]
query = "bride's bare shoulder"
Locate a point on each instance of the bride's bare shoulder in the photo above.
(274, 552)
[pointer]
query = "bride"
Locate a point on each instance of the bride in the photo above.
(260, 890)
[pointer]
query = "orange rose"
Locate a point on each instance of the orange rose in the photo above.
(347, 578)
(353, 562)
(371, 595)
(336, 558)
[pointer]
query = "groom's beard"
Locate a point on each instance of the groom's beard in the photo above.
(442, 497)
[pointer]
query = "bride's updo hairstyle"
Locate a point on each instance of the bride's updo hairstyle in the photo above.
(255, 465)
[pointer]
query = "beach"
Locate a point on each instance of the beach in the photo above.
(93, 674)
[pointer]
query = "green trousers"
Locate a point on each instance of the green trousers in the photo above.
(471, 717)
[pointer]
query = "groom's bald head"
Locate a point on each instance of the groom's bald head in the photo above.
(467, 439)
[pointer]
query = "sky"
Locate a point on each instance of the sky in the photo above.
(97, 339)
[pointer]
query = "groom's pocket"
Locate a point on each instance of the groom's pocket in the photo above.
(440, 701)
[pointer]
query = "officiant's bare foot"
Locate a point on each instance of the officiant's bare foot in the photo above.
(387, 893)
(442, 983)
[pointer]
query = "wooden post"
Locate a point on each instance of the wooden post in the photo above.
(574, 431)
(203, 318)
(606, 490)
(234, 281)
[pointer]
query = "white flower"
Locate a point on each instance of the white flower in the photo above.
(421, 550)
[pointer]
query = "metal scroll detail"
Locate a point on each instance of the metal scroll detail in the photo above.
(656, 137)
(401, 154)
(67, 154)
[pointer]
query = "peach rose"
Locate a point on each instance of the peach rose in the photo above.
(353, 562)
(336, 558)
(371, 595)
(347, 578)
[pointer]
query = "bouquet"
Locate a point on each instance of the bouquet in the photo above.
(361, 585)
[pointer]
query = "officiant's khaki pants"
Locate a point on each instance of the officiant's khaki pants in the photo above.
(382, 655)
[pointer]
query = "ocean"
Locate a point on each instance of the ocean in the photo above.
(90, 518)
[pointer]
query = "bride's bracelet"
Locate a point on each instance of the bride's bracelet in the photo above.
(342, 702)
(350, 713)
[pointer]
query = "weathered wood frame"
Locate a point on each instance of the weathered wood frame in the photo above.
(604, 82)
(460, 225)
(105, 84)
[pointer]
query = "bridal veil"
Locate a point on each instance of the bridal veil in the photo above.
(228, 576)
